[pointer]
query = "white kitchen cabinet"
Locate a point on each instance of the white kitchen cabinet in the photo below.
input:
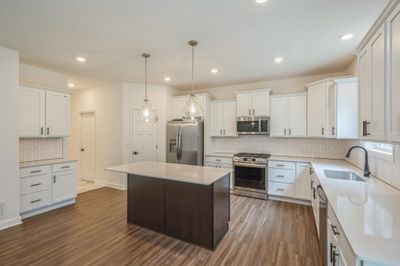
(221, 162)
(177, 104)
(63, 186)
(332, 108)
(223, 119)
(31, 112)
(393, 88)
(303, 180)
(43, 113)
(372, 75)
(316, 110)
(288, 116)
(253, 103)
(315, 199)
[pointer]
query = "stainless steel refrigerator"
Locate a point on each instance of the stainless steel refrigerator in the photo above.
(185, 142)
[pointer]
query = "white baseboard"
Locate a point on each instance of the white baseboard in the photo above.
(48, 208)
(111, 185)
(291, 200)
(10, 222)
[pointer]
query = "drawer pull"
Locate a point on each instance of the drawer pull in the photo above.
(36, 171)
(65, 167)
(280, 189)
(334, 230)
(218, 160)
(35, 185)
(280, 176)
(280, 165)
(34, 201)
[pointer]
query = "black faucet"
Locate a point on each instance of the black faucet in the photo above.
(366, 165)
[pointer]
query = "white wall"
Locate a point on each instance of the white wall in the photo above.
(42, 77)
(106, 102)
(9, 174)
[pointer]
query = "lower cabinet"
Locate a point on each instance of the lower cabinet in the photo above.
(315, 199)
(289, 180)
(220, 162)
(44, 188)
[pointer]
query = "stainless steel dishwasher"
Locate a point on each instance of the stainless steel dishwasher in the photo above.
(323, 220)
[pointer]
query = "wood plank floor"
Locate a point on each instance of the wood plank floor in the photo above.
(94, 232)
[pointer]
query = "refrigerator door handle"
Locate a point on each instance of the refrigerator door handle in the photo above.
(179, 148)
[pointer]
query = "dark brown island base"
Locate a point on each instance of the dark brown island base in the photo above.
(191, 203)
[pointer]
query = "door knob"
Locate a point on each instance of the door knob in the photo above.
(82, 149)
(135, 153)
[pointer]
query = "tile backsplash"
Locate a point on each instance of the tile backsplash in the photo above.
(302, 147)
(40, 149)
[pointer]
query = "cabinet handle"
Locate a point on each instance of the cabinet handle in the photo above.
(249, 112)
(41, 131)
(35, 185)
(333, 131)
(280, 176)
(314, 193)
(224, 132)
(34, 201)
(220, 132)
(290, 131)
(280, 165)
(65, 167)
(36, 171)
(334, 230)
(254, 112)
(311, 171)
(54, 179)
(331, 247)
(365, 128)
(218, 160)
(279, 189)
(48, 131)
(323, 131)
(284, 131)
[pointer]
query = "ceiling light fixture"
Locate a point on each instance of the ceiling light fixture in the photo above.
(71, 85)
(261, 1)
(146, 114)
(167, 79)
(278, 59)
(346, 36)
(80, 59)
(214, 70)
(193, 110)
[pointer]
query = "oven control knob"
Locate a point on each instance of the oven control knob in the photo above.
(253, 160)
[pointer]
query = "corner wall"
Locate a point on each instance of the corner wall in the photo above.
(9, 174)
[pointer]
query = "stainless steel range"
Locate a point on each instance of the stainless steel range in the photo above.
(250, 177)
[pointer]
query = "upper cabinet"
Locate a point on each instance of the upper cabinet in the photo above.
(223, 119)
(289, 115)
(43, 113)
(253, 103)
(332, 108)
(177, 104)
(393, 92)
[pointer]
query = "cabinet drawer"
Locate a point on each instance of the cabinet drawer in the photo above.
(280, 189)
(282, 165)
(221, 160)
(33, 184)
(34, 201)
(32, 171)
(281, 175)
(64, 167)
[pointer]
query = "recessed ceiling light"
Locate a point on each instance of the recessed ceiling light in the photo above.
(214, 71)
(346, 36)
(71, 85)
(80, 59)
(167, 79)
(261, 1)
(278, 59)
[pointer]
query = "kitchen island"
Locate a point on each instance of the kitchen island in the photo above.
(191, 203)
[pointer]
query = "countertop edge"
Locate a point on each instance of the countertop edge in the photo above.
(45, 162)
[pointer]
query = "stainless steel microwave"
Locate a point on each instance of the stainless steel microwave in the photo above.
(257, 125)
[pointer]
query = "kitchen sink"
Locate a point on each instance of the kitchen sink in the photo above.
(343, 175)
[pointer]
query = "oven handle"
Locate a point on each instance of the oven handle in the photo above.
(250, 165)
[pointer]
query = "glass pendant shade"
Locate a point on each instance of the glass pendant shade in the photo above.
(193, 110)
(146, 113)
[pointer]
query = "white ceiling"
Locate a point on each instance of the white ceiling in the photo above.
(239, 37)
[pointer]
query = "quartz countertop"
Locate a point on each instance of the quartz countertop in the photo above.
(44, 162)
(202, 175)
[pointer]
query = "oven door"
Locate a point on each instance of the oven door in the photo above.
(251, 177)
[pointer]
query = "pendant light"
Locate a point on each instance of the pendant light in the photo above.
(193, 110)
(146, 114)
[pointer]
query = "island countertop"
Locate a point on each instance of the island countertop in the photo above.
(194, 174)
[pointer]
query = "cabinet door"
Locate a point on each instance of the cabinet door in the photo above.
(63, 187)
(216, 119)
(316, 110)
(31, 112)
(261, 103)
(331, 104)
(57, 114)
(393, 94)
(229, 119)
(244, 106)
(279, 116)
(377, 129)
(303, 179)
(364, 88)
(175, 108)
(297, 118)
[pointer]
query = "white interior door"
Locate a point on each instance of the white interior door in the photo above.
(143, 140)
(88, 146)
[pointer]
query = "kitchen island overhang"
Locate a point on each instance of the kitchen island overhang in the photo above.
(190, 203)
